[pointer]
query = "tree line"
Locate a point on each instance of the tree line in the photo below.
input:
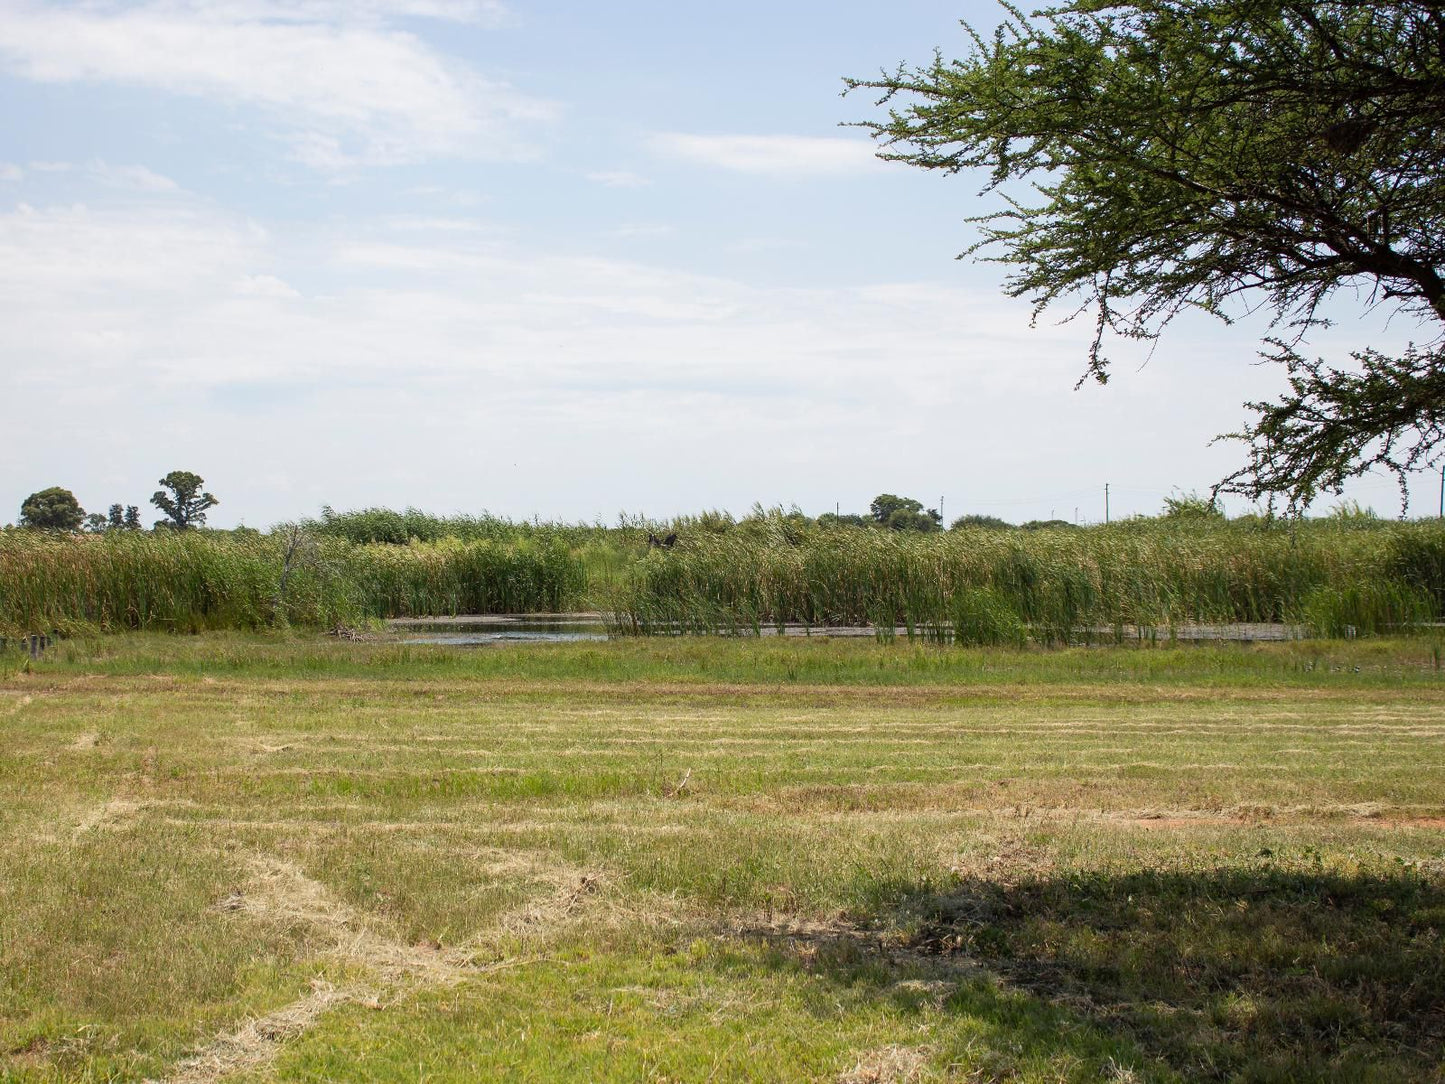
(181, 499)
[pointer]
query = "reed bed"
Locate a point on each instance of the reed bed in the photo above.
(1053, 586)
(205, 580)
(1136, 579)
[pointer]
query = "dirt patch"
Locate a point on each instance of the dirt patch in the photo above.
(84, 742)
(1417, 822)
(888, 1065)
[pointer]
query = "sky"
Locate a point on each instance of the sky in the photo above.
(552, 259)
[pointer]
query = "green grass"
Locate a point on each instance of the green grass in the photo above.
(887, 862)
(772, 661)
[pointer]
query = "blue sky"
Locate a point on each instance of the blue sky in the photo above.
(553, 259)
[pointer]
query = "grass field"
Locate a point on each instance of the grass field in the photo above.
(262, 857)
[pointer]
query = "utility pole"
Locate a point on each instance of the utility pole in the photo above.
(940, 507)
(1442, 490)
(1106, 502)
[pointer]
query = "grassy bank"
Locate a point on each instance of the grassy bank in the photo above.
(296, 860)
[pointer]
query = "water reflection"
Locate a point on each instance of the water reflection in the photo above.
(479, 630)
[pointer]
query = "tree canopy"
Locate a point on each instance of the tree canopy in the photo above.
(53, 509)
(903, 514)
(185, 505)
(1159, 156)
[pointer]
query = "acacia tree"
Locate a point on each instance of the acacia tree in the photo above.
(1156, 157)
(185, 506)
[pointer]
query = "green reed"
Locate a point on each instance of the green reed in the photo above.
(1062, 585)
(201, 579)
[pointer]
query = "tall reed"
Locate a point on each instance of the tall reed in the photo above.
(200, 579)
(1063, 584)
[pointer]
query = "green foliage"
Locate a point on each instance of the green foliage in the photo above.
(185, 581)
(1060, 583)
(413, 525)
(1364, 609)
(118, 518)
(846, 519)
(983, 616)
(53, 509)
(1192, 506)
(185, 505)
(1351, 514)
(1156, 158)
(1065, 585)
(988, 523)
(903, 514)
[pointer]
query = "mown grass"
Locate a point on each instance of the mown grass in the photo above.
(773, 661)
(1168, 864)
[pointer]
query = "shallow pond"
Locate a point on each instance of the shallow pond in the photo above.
(480, 629)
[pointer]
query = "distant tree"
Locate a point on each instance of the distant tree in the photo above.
(53, 509)
(1191, 506)
(1046, 524)
(118, 518)
(847, 519)
(185, 505)
(903, 514)
(992, 523)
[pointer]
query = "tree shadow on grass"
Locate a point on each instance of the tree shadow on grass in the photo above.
(1265, 973)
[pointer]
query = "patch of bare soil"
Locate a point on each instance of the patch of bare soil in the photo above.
(1418, 822)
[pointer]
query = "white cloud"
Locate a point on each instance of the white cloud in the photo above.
(774, 155)
(9, 171)
(336, 81)
(631, 230)
(471, 350)
(619, 178)
(265, 286)
(136, 178)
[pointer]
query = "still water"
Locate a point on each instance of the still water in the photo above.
(478, 630)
